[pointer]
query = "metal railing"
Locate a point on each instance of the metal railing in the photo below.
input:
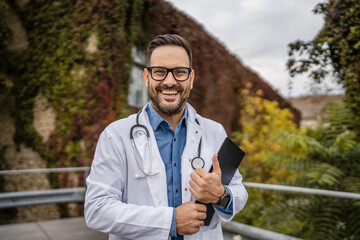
(248, 232)
(86, 170)
(303, 190)
(26, 198)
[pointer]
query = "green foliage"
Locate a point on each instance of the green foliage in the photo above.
(277, 152)
(87, 90)
(261, 121)
(333, 164)
(335, 49)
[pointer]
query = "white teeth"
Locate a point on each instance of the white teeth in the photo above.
(169, 92)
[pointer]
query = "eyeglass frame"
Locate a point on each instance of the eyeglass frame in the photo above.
(167, 72)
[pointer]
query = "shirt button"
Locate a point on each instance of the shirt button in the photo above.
(174, 139)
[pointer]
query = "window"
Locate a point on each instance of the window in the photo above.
(138, 95)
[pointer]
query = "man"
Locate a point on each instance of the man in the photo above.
(145, 186)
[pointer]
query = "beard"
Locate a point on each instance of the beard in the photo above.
(169, 110)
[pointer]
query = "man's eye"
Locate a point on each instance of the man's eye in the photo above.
(159, 71)
(181, 71)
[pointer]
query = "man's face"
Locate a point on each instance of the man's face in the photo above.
(169, 96)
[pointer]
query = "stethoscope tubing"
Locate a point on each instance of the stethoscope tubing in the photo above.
(133, 145)
(196, 162)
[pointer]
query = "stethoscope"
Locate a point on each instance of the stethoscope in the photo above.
(196, 162)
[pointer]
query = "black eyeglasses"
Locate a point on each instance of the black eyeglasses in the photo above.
(160, 73)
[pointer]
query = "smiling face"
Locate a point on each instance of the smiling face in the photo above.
(169, 96)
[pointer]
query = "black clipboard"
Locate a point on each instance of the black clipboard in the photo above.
(230, 157)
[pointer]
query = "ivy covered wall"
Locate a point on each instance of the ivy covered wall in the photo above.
(77, 54)
(79, 58)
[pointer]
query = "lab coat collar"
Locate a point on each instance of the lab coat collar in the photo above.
(191, 117)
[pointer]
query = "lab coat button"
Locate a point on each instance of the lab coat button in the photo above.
(160, 202)
(186, 189)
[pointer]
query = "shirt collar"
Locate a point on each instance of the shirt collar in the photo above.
(155, 118)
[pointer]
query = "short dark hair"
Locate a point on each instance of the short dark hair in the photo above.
(168, 39)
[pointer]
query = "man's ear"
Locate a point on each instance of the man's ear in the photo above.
(146, 77)
(192, 78)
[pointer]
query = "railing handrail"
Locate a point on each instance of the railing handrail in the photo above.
(276, 187)
(30, 198)
(313, 191)
(251, 232)
(44, 170)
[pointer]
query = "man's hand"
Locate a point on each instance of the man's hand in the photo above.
(207, 187)
(189, 218)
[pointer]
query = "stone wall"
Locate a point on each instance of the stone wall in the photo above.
(14, 156)
(22, 157)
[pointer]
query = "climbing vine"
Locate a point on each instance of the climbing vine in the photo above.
(86, 89)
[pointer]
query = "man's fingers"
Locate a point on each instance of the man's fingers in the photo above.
(201, 224)
(196, 177)
(201, 172)
(189, 217)
(201, 207)
(202, 215)
(194, 185)
(197, 182)
(216, 165)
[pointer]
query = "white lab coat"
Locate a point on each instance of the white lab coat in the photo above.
(128, 208)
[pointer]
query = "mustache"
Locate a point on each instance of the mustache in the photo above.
(166, 87)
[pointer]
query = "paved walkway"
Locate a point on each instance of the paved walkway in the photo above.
(60, 229)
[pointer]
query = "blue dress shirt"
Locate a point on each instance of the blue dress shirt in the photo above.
(171, 146)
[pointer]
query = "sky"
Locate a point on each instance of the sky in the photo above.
(258, 32)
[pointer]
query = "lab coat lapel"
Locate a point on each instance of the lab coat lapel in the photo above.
(194, 134)
(157, 183)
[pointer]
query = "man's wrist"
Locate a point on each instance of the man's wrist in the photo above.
(222, 194)
(224, 199)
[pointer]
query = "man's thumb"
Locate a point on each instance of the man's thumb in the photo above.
(216, 165)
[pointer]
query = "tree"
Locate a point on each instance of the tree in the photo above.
(330, 162)
(279, 153)
(334, 50)
(261, 120)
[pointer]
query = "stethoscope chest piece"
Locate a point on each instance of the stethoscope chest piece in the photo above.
(197, 162)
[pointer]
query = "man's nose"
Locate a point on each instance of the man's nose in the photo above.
(169, 80)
